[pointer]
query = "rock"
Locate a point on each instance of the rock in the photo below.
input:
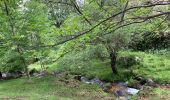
(85, 80)
(10, 75)
(123, 84)
(97, 81)
(121, 89)
(36, 74)
(19, 73)
(124, 98)
(41, 74)
(150, 81)
(131, 91)
(6, 75)
(136, 84)
(80, 3)
(92, 81)
(118, 93)
(56, 73)
(78, 77)
(117, 89)
(139, 78)
(31, 72)
(44, 73)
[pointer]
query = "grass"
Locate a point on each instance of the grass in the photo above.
(154, 94)
(94, 69)
(152, 66)
(49, 88)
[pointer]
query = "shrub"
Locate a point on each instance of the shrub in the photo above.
(128, 61)
(11, 61)
(150, 40)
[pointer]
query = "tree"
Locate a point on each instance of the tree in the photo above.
(108, 19)
(30, 32)
(20, 30)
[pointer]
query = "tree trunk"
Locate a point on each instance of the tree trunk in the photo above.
(113, 62)
(41, 63)
(26, 68)
(0, 75)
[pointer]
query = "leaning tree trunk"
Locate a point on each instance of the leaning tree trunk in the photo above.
(113, 62)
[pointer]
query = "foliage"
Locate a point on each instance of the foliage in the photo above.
(147, 66)
(22, 30)
(152, 66)
(12, 61)
(63, 34)
(82, 57)
(150, 40)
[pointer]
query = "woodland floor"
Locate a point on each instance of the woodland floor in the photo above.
(67, 88)
(53, 88)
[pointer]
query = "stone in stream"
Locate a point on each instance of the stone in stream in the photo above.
(118, 93)
(7, 75)
(97, 81)
(42, 73)
(33, 71)
(150, 81)
(85, 80)
(11, 75)
(119, 89)
(131, 91)
(92, 81)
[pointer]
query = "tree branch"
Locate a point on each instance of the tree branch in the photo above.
(153, 16)
(114, 15)
(78, 10)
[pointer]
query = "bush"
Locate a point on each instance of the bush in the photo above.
(150, 40)
(81, 59)
(128, 61)
(11, 61)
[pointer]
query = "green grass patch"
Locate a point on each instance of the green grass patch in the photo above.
(48, 88)
(152, 66)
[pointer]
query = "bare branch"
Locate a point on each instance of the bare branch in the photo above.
(123, 14)
(79, 11)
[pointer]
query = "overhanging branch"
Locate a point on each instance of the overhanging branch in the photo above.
(114, 15)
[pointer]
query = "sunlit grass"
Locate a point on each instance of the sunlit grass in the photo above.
(152, 66)
(48, 88)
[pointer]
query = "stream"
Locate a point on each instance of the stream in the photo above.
(119, 89)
